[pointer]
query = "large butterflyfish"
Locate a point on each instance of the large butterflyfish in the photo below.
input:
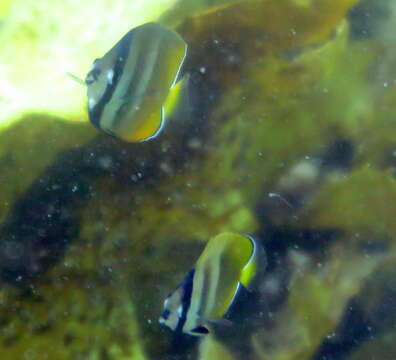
(129, 87)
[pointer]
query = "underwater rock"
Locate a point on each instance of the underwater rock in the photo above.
(29, 146)
(369, 317)
(40, 215)
(65, 318)
(343, 203)
(318, 294)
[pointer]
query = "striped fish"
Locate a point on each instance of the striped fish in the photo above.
(128, 87)
(204, 296)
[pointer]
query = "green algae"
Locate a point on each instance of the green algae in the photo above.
(343, 203)
(284, 95)
(43, 137)
(278, 98)
(177, 13)
(325, 285)
(64, 320)
(212, 349)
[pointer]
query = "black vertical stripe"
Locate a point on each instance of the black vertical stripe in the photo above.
(122, 51)
(187, 286)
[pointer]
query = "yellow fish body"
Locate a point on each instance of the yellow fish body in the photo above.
(128, 87)
(228, 261)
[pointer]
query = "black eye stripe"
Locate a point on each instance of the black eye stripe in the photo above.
(95, 73)
(123, 49)
(92, 76)
(165, 314)
(186, 299)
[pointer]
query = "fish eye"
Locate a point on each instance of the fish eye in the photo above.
(165, 314)
(92, 76)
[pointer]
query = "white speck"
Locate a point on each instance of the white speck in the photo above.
(136, 177)
(180, 311)
(386, 84)
(91, 103)
(195, 143)
(232, 59)
(105, 162)
(202, 70)
(331, 336)
(149, 321)
(74, 188)
(166, 168)
(110, 76)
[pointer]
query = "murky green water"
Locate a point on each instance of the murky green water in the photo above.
(285, 131)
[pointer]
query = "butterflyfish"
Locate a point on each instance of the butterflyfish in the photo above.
(228, 263)
(128, 87)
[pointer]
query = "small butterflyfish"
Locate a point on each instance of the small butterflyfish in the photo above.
(227, 264)
(129, 87)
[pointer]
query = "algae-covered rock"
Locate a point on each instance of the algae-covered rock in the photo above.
(359, 203)
(64, 319)
(211, 349)
(31, 145)
(372, 318)
(324, 284)
(290, 139)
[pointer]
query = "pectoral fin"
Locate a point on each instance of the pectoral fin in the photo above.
(200, 330)
(178, 96)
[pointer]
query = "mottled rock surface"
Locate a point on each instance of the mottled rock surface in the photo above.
(291, 138)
